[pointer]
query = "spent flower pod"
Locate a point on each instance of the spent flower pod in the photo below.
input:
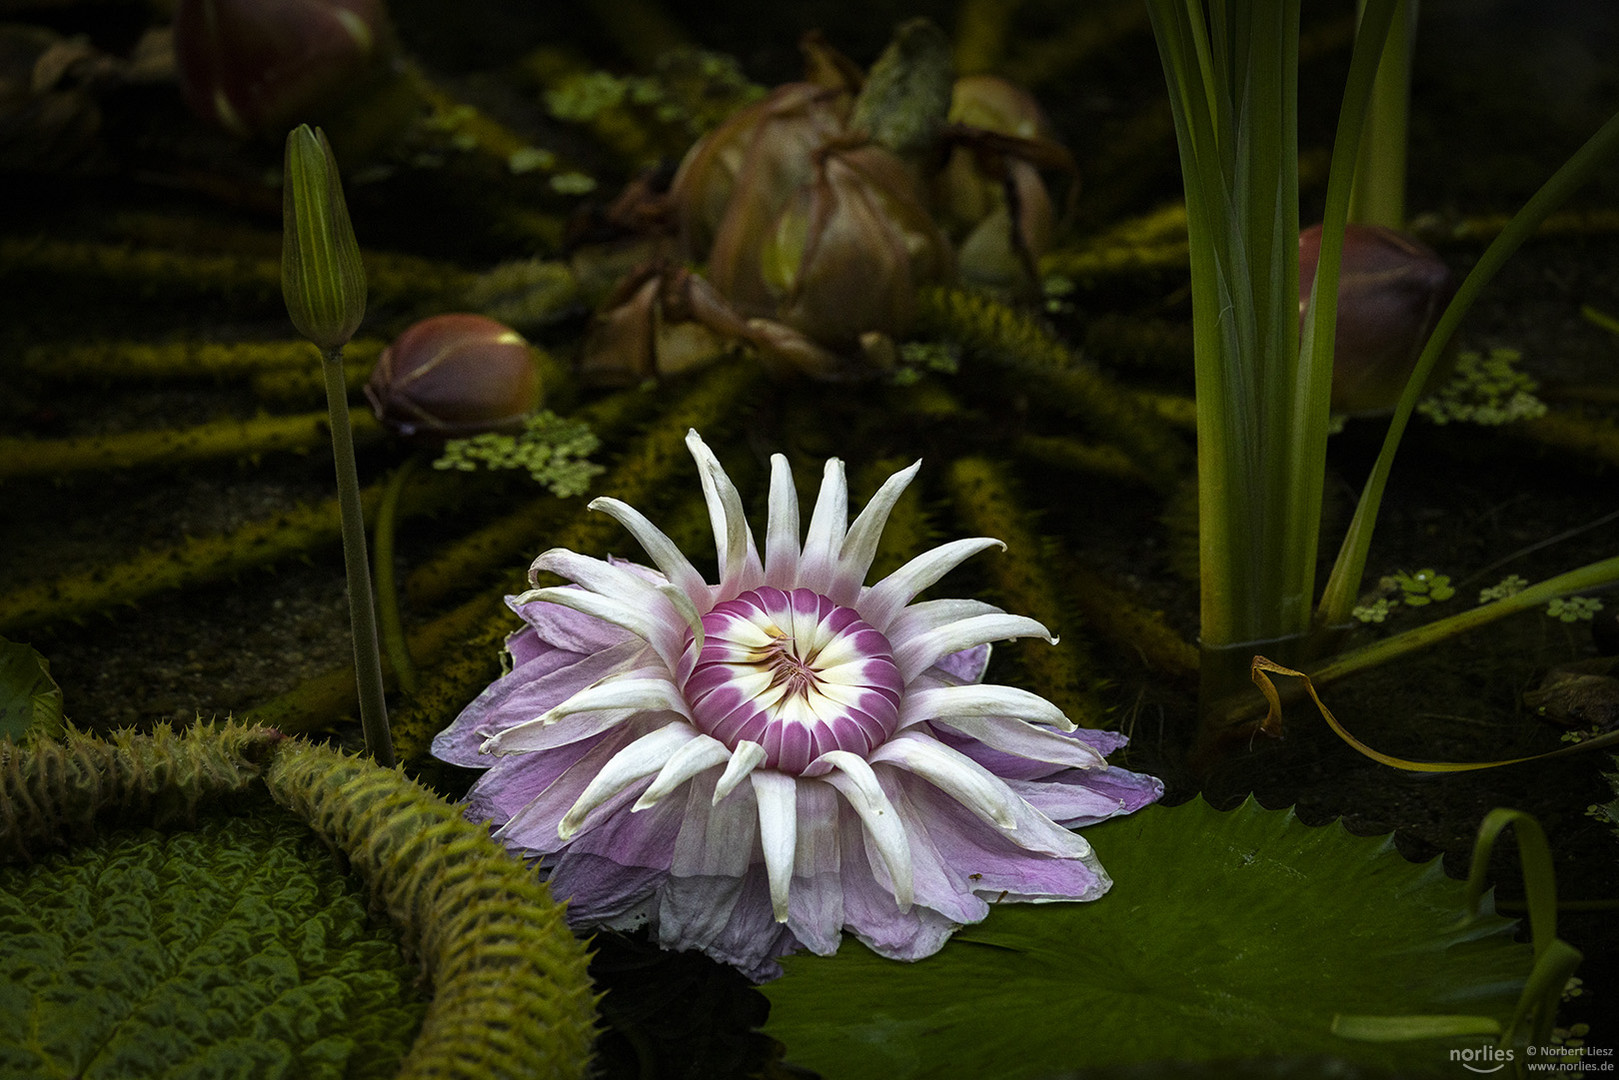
(847, 253)
(990, 195)
(322, 277)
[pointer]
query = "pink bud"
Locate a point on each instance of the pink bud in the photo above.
(262, 65)
(452, 376)
(1391, 291)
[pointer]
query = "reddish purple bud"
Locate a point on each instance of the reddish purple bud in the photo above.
(1391, 291)
(452, 376)
(262, 65)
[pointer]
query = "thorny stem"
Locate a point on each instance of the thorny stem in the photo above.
(362, 615)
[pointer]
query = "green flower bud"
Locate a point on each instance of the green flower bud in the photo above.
(322, 278)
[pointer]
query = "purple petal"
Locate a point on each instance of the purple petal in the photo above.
(525, 693)
(1077, 798)
(937, 883)
(869, 910)
(612, 868)
(966, 666)
(533, 661)
(532, 825)
(815, 900)
(512, 782)
(728, 918)
(565, 628)
(995, 864)
(525, 645)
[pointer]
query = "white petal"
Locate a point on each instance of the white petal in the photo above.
(699, 755)
(1014, 736)
(925, 650)
(858, 785)
(777, 796)
(781, 529)
(860, 545)
(949, 703)
(744, 759)
(536, 737)
(932, 614)
(688, 611)
(716, 838)
(659, 548)
(732, 537)
(666, 635)
(643, 694)
(640, 759)
(828, 523)
(883, 601)
(955, 774)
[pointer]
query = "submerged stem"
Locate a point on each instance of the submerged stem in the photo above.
(393, 635)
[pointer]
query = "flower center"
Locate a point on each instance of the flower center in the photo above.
(795, 673)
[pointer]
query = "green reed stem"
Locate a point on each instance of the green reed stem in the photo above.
(362, 612)
(1378, 196)
(1234, 713)
(1344, 584)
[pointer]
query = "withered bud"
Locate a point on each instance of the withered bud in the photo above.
(322, 277)
(661, 320)
(1391, 292)
(452, 376)
(253, 66)
(991, 196)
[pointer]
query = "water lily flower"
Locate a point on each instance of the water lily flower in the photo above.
(754, 766)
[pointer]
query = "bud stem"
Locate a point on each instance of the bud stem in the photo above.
(362, 612)
(382, 554)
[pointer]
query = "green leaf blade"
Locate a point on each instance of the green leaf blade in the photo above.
(1226, 936)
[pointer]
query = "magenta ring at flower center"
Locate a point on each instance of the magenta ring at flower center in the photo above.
(796, 673)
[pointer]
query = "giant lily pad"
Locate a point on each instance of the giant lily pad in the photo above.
(1226, 936)
(178, 912)
(235, 948)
